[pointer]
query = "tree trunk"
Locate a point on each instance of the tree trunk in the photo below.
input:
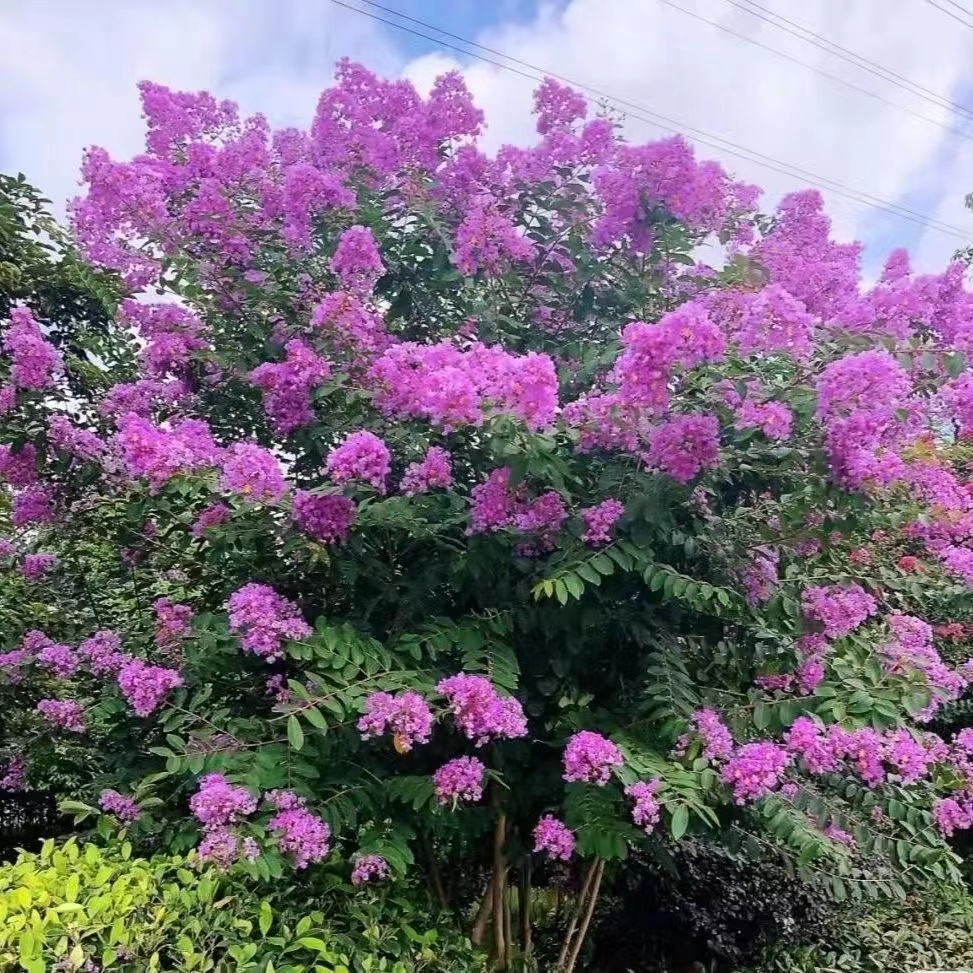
(482, 915)
(583, 931)
(523, 903)
(499, 888)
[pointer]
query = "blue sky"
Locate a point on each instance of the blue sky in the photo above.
(70, 66)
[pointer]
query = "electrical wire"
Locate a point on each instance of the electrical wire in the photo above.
(653, 118)
(949, 13)
(811, 67)
(831, 47)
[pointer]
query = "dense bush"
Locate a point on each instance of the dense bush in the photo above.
(428, 511)
(928, 932)
(81, 907)
(700, 903)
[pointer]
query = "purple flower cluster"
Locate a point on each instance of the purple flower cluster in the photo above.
(36, 566)
(459, 779)
(452, 387)
(300, 834)
(14, 775)
(838, 609)
(486, 240)
(68, 714)
(218, 803)
(221, 847)
(325, 517)
(145, 686)
(123, 808)
(760, 575)
(715, 737)
(102, 653)
(590, 757)
(81, 444)
(264, 620)
(646, 809)
(287, 385)
(32, 505)
(212, 516)
(494, 506)
(18, 467)
(406, 715)
(684, 446)
(433, 470)
(369, 868)
(254, 473)
(356, 262)
(954, 813)
(172, 622)
(754, 770)
(361, 456)
(599, 520)
(60, 660)
(158, 454)
(480, 713)
(554, 838)
(34, 361)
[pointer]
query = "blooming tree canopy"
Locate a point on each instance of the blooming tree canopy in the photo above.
(444, 499)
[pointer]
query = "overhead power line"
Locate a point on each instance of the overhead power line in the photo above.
(634, 110)
(811, 67)
(966, 21)
(831, 47)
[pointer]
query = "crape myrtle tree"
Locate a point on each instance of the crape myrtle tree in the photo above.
(440, 511)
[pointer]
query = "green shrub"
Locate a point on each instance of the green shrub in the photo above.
(931, 932)
(73, 906)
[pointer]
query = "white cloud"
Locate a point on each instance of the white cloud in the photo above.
(69, 69)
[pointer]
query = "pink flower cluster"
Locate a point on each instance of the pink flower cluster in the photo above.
(158, 454)
(35, 567)
(14, 775)
(554, 838)
(123, 808)
(172, 622)
(838, 609)
(60, 660)
(760, 575)
(432, 471)
(369, 868)
(487, 240)
(954, 813)
(68, 714)
(495, 506)
(32, 505)
(145, 686)
(287, 385)
(254, 473)
(82, 444)
(34, 361)
(459, 779)
(590, 757)
(172, 334)
(325, 517)
(361, 456)
(218, 803)
(754, 770)
(264, 620)
(450, 387)
(221, 847)
(211, 516)
(599, 520)
(18, 467)
(893, 756)
(480, 713)
(646, 809)
(407, 715)
(102, 653)
(300, 834)
(356, 262)
(684, 446)
(715, 737)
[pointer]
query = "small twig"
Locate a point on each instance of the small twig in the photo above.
(589, 911)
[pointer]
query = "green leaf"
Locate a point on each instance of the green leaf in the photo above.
(266, 917)
(679, 822)
(315, 717)
(295, 735)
